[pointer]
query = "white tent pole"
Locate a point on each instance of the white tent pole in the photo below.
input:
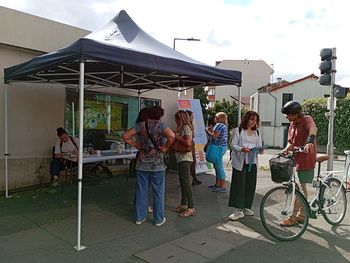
(139, 97)
(239, 104)
(78, 247)
(73, 119)
(6, 145)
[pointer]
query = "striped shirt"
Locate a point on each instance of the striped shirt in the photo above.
(221, 140)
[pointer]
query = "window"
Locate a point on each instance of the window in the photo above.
(106, 116)
(211, 91)
(286, 97)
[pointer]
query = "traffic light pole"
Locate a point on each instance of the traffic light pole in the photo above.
(330, 145)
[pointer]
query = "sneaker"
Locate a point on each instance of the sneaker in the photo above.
(248, 212)
(141, 221)
(196, 182)
(236, 215)
(161, 223)
(213, 186)
(219, 190)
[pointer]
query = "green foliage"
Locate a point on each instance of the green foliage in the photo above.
(317, 108)
(231, 109)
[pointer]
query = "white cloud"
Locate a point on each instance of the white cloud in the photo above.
(288, 34)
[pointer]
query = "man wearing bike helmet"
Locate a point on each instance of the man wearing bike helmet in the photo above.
(302, 132)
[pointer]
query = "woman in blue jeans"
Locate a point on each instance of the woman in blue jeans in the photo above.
(218, 135)
(151, 138)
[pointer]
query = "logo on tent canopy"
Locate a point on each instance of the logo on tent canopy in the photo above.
(114, 34)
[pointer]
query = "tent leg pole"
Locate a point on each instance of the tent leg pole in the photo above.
(79, 247)
(139, 97)
(239, 105)
(6, 144)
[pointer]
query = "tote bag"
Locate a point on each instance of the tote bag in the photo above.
(213, 153)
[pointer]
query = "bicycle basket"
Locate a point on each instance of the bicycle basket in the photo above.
(281, 169)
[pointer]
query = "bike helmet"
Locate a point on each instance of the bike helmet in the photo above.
(291, 107)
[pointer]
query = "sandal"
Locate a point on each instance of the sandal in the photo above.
(188, 212)
(290, 221)
(300, 218)
(180, 208)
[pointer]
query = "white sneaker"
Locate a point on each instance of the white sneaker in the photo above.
(248, 212)
(236, 215)
(141, 221)
(161, 223)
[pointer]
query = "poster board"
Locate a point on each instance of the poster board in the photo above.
(200, 137)
(99, 116)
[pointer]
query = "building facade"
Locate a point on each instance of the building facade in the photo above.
(255, 74)
(269, 100)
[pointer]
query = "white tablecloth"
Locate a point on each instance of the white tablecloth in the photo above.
(92, 158)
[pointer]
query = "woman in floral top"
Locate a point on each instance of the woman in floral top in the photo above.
(152, 138)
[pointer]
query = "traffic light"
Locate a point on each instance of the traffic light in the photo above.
(340, 92)
(326, 66)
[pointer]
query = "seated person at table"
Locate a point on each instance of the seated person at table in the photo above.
(65, 152)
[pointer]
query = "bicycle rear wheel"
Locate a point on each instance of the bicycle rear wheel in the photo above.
(277, 206)
(334, 201)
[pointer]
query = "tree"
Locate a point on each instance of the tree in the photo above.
(231, 109)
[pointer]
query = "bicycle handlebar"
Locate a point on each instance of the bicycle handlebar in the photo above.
(291, 153)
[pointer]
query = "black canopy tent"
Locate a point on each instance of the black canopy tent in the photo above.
(119, 55)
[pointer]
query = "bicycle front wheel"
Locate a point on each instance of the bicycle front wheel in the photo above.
(277, 209)
(333, 197)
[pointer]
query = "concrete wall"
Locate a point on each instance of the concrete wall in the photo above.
(31, 32)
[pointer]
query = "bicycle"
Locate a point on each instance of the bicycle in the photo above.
(283, 202)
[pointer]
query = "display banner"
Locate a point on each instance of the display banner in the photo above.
(101, 117)
(200, 137)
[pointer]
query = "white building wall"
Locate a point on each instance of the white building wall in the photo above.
(307, 89)
(269, 108)
(255, 74)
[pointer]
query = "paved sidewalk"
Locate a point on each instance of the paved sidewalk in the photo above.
(40, 226)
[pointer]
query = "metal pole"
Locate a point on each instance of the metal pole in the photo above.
(186, 39)
(330, 146)
(78, 247)
(73, 120)
(6, 145)
(139, 99)
(239, 105)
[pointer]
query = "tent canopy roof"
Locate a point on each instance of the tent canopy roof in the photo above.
(121, 54)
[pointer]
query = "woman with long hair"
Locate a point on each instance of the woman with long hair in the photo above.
(246, 145)
(184, 134)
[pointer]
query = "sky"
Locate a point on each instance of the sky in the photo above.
(286, 34)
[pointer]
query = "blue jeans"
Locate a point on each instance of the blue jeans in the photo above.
(219, 166)
(157, 181)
